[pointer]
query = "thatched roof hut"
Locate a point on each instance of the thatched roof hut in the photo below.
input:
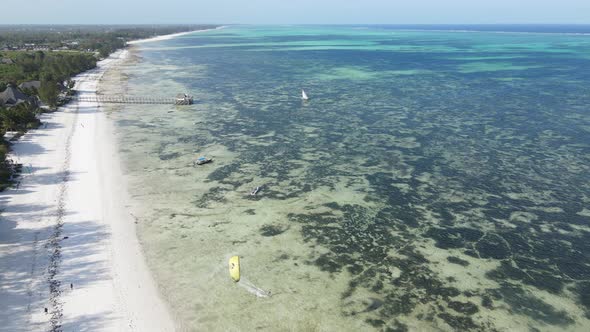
(12, 96)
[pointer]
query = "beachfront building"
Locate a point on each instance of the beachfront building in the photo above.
(12, 97)
(30, 85)
(183, 99)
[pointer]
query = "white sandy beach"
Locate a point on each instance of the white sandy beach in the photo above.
(67, 239)
(166, 37)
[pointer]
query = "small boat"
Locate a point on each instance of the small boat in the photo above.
(255, 191)
(304, 95)
(202, 160)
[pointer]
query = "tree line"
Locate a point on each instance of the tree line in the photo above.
(81, 46)
(101, 39)
(50, 68)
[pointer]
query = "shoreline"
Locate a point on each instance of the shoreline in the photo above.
(169, 36)
(70, 259)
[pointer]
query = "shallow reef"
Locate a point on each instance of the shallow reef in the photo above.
(433, 181)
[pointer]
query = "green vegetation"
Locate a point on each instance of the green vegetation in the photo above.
(6, 168)
(43, 65)
(18, 118)
(50, 68)
(89, 38)
(51, 56)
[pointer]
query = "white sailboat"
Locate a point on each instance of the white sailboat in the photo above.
(304, 95)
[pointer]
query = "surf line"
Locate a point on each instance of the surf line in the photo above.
(253, 289)
(235, 274)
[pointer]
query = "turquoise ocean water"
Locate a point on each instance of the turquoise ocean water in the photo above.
(436, 180)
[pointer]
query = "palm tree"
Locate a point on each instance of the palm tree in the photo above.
(20, 117)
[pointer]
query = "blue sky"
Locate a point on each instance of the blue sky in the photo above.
(299, 11)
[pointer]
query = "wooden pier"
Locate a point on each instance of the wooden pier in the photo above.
(181, 99)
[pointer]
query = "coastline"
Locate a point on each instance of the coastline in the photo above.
(169, 36)
(69, 255)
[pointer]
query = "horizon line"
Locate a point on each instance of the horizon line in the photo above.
(156, 24)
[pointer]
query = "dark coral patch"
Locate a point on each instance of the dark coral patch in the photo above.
(460, 323)
(493, 246)
(522, 302)
(327, 263)
(450, 238)
(375, 322)
(272, 230)
(487, 302)
(584, 297)
(575, 270)
(546, 280)
(457, 260)
(466, 308)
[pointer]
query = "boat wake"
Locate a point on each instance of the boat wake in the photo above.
(253, 289)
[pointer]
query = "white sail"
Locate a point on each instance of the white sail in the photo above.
(304, 95)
